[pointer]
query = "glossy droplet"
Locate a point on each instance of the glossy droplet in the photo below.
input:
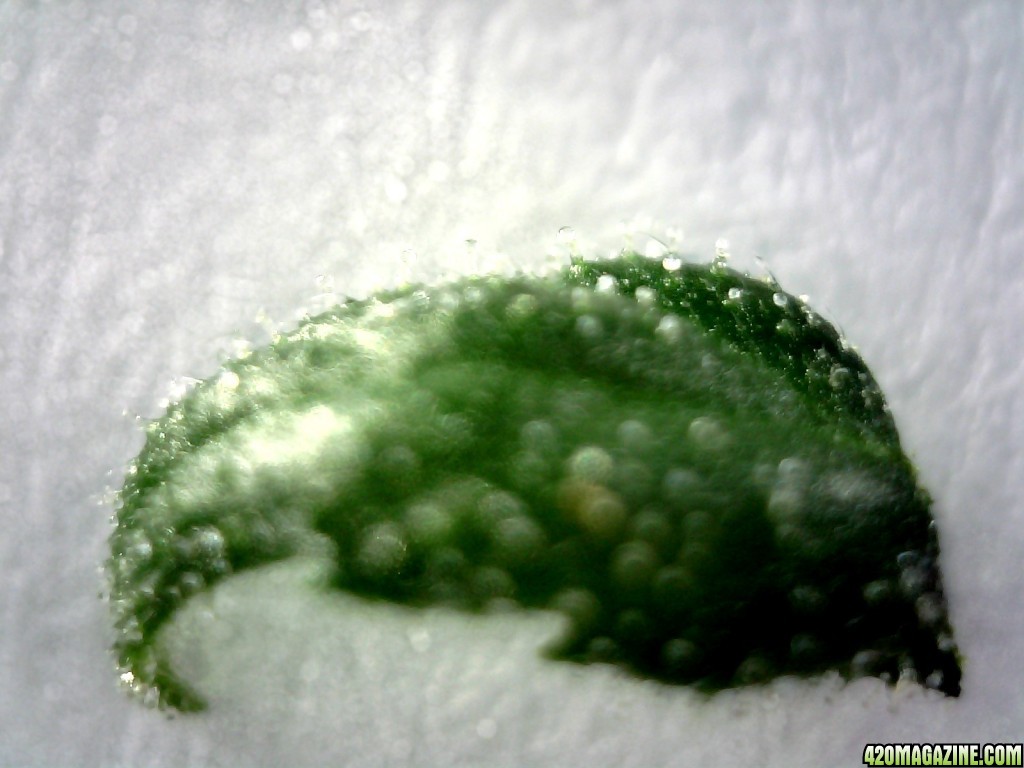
(382, 551)
(645, 296)
(591, 464)
(589, 327)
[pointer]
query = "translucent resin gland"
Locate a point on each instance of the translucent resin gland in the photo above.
(687, 462)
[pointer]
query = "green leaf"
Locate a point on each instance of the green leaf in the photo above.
(690, 463)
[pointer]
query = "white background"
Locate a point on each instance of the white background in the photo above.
(169, 171)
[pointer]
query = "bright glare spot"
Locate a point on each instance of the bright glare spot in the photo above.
(369, 340)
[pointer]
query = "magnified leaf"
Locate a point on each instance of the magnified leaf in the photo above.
(689, 463)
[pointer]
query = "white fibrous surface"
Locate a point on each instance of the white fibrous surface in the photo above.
(180, 180)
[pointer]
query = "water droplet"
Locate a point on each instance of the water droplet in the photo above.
(493, 584)
(522, 306)
(680, 484)
(382, 550)
(670, 329)
(635, 436)
(228, 381)
(930, 609)
(806, 600)
(786, 327)
(190, 583)
(672, 263)
(579, 605)
(445, 564)
(607, 284)
(603, 649)
(632, 627)
(839, 376)
(539, 435)
(400, 463)
(934, 680)
(528, 470)
(735, 294)
(208, 542)
(913, 581)
(652, 526)
(673, 587)
(786, 502)
(718, 263)
(599, 511)
(793, 470)
(130, 630)
(138, 548)
(878, 592)
(645, 296)
(591, 464)
(428, 523)
(754, 669)
(908, 672)
(518, 540)
(708, 434)
(634, 565)
(865, 663)
(804, 647)
(780, 299)
(474, 295)
(589, 327)
(500, 505)
(908, 558)
(680, 655)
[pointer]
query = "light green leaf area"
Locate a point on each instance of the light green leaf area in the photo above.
(689, 463)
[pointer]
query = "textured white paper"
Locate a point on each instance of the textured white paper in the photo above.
(176, 176)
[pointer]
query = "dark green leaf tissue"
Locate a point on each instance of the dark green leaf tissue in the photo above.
(688, 462)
